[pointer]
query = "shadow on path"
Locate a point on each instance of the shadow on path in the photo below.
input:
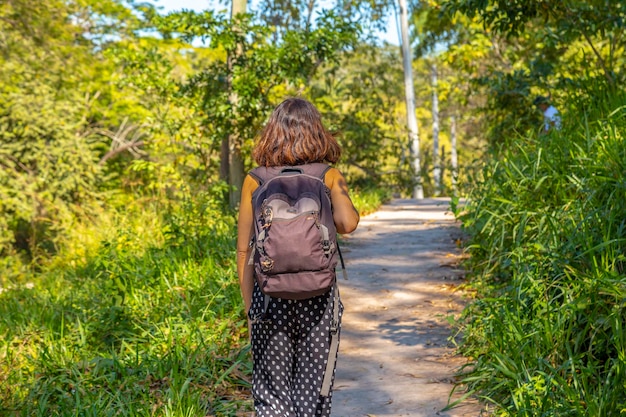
(395, 356)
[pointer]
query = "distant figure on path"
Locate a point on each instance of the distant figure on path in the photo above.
(551, 116)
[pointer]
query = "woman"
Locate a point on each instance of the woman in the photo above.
(290, 350)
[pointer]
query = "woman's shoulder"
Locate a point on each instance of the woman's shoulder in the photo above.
(334, 172)
(250, 183)
(332, 176)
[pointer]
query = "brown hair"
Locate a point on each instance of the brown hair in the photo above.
(295, 135)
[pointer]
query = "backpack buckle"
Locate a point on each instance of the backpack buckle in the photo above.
(326, 247)
(261, 318)
(268, 215)
(266, 263)
(334, 326)
(326, 243)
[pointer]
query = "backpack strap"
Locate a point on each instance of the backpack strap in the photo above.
(334, 344)
(316, 169)
(262, 174)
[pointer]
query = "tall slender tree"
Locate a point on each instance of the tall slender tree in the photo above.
(454, 160)
(418, 191)
(232, 159)
(435, 104)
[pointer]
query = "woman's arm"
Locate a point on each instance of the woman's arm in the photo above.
(245, 227)
(345, 214)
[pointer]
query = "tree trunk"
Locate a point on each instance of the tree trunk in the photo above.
(407, 60)
(225, 159)
(232, 160)
(436, 161)
(453, 155)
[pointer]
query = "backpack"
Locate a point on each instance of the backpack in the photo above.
(295, 239)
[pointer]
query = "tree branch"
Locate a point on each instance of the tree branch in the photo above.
(119, 143)
(600, 59)
(118, 150)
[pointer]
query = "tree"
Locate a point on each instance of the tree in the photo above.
(598, 23)
(436, 158)
(454, 162)
(362, 99)
(50, 147)
(410, 102)
(237, 90)
(488, 79)
(231, 151)
(548, 48)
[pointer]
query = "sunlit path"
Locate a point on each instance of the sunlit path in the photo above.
(395, 357)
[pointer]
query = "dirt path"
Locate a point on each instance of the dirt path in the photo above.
(395, 358)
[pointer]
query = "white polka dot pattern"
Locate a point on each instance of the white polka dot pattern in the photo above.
(290, 351)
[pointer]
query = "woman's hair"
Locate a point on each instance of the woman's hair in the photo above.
(295, 135)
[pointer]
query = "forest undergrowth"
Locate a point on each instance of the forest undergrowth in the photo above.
(546, 227)
(139, 314)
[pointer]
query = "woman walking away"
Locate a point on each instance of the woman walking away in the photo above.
(286, 258)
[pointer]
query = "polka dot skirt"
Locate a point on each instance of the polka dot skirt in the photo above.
(290, 351)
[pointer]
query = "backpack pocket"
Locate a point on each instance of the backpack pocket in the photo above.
(294, 245)
(292, 237)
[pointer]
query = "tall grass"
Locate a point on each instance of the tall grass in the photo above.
(147, 321)
(547, 227)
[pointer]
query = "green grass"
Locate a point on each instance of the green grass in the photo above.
(147, 321)
(369, 199)
(547, 247)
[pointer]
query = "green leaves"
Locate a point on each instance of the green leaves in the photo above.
(120, 324)
(54, 99)
(252, 62)
(513, 51)
(547, 250)
(48, 167)
(598, 24)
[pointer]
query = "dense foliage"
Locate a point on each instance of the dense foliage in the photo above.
(512, 51)
(545, 217)
(547, 251)
(146, 324)
(122, 131)
(104, 101)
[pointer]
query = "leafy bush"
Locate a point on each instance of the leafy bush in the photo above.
(369, 199)
(547, 246)
(148, 322)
